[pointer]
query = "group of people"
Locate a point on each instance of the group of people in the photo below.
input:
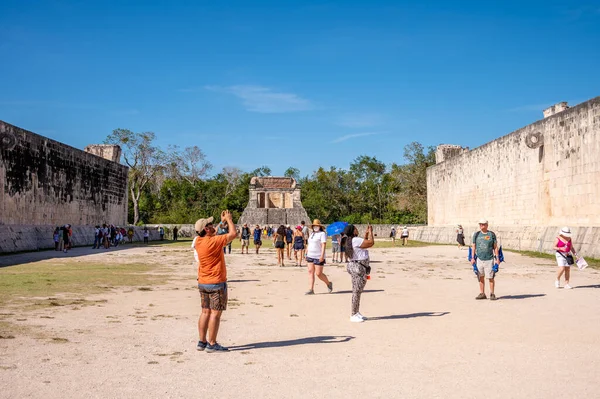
(109, 235)
(63, 238)
(403, 235)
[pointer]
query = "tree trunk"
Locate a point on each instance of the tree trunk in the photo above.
(136, 207)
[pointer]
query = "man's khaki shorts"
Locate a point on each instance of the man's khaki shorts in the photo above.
(485, 268)
(245, 243)
(213, 296)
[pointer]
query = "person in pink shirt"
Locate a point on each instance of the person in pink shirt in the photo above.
(564, 256)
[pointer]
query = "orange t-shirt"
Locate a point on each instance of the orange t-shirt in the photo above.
(211, 266)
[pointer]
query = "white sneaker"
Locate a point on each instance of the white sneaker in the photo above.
(557, 284)
(356, 318)
(567, 287)
(361, 316)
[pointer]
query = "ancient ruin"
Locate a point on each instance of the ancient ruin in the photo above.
(274, 201)
(44, 183)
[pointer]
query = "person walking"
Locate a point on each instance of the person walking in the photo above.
(161, 233)
(175, 232)
(485, 251)
(315, 257)
(564, 256)
(257, 238)
(289, 238)
(404, 235)
(245, 237)
(460, 236)
(279, 240)
(130, 234)
(305, 232)
(212, 280)
(393, 235)
(335, 248)
(298, 245)
(146, 235)
(358, 265)
(222, 230)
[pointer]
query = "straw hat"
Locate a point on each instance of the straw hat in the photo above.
(317, 223)
(201, 224)
(565, 232)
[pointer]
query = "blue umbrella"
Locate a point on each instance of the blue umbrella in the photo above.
(336, 228)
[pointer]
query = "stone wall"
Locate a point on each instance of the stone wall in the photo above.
(44, 182)
(545, 174)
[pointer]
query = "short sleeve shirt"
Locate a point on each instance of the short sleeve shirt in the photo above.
(211, 267)
(484, 246)
(315, 240)
(257, 234)
(358, 252)
(335, 239)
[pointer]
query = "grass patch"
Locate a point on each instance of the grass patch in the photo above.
(592, 262)
(410, 244)
(46, 279)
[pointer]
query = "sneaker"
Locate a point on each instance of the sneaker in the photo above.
(216, 348)
(330, 287)
(201, 345)
(567, 287)
(361, 316)
(492, 297)
(356, 318)
(309, 292)
(481, 296)
(557, 284)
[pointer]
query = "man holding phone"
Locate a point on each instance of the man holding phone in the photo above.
(212, 279)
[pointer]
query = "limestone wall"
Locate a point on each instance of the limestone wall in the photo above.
(44, 182)
(545, 174)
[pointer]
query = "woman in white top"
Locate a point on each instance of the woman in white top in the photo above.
(358, 265)
(404, 235)
(315, 257)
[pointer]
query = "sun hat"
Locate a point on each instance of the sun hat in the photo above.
(565, 232)
(201, 224)
(317, 223)
(483, 221)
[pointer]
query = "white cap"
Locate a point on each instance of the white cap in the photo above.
(483, 221)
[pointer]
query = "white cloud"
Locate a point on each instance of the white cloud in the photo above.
(357, 121)
(355, 135)
(265, 100)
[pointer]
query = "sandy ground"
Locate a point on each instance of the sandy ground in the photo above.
(427, 337)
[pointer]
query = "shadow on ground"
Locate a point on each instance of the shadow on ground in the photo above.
(589, 286)
(324, 339)
(241, 281)
(409, 316)
(350, 291)
(522, 296)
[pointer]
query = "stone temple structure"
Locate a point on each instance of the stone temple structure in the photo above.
(274, 201)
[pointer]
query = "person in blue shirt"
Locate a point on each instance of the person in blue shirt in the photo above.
(289, 241)
(257, 236)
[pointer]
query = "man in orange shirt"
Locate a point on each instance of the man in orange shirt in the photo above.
(212, 279)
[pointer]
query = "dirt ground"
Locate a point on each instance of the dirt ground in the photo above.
(426, 336)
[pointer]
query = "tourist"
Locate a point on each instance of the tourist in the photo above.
(335, 248)
(305, 232)
(485, 251)
(289, 238)
(343, 248)
(55, 237)
(257, 238)
(245, 237)
(564, 256)
(358, 265)
(279, 241)
(106, 236)
(298, 245)
(212, 280)
(146, 235)
(130, 234)
(315, 257)
(65, 236)
(161, 232)
(197, 261)
(175, 232)
(393, 235)
(222, 230)
(404, 235)
(96, 237)
(118, 236)
(460, 236)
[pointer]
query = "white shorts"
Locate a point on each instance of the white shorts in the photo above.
(485, 268)
(562, 262)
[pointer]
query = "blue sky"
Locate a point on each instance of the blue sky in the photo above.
(285, 83)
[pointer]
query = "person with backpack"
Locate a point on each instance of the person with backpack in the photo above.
(97, 237)
(289, 234)
(483, 258)
(257, 238)
(358, 265)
